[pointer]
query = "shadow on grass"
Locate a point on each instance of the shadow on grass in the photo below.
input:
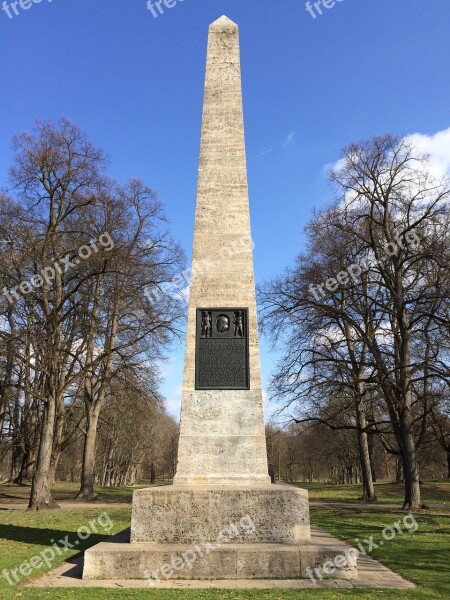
(46, 537)
(66, 492)
(13, 497)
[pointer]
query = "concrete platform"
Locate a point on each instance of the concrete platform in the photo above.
(371, 574)
(156, 562)
(184, 514)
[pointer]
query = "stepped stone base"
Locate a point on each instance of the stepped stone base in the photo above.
(220, 532)
(220, 513)
(208, 561)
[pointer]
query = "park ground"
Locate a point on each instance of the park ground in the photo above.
(422, 557)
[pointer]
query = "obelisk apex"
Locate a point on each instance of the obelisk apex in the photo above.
(222, 436)
(223, 24)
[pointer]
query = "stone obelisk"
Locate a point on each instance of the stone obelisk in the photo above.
(222, 437)
(222, 471)
(222, 491)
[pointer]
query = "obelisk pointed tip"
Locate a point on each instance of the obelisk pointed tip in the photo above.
(223, 24)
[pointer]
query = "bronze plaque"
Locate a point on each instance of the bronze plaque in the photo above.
(221, 349)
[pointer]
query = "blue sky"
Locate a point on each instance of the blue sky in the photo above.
(311, 86)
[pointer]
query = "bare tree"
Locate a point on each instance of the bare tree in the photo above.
(75, 311)
(391, 219)
(124, 329)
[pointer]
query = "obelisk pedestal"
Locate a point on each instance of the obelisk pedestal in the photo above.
(222, 510)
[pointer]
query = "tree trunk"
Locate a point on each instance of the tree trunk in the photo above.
(152, 473)
(366, 469)
(410, 466)
(56, 455)
(87, 491)
(22, 471)
(41, 495)
(370, 441)
(364, 454)
(448, 463)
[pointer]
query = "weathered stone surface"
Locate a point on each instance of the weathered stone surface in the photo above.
(191, 514)
(332, 561)
(232, 561)
(222, 438)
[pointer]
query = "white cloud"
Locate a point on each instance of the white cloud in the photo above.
(184, 294)
(290, 138)
(173, 402)
(337, 166)
(287, 141)
(437, 146)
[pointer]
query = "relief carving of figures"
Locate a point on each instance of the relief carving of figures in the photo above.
(206, 324)
(238, 324)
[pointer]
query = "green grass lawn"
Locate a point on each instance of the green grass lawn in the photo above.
(423, 557)
(433, 492)
(65, 491)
